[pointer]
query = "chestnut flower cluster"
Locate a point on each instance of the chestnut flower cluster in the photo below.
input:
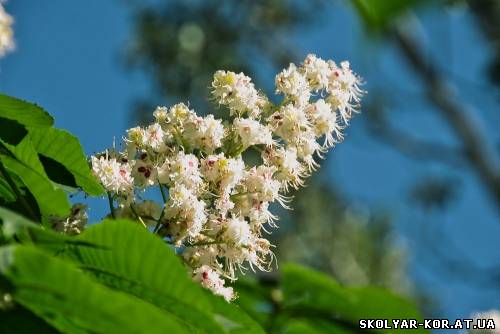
(6, 32)
(216, 207)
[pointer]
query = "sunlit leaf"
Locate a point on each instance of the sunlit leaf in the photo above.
(51, 199)
(72, 302)
(25, 113)
(19, 320)
(6, 192)
(64, 148)
(140, 263)
(310, 293)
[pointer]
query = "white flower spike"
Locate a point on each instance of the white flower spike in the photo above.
(216, 207)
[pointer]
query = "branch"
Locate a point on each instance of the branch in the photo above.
(111, 207)
(414, 147)
(439, 92)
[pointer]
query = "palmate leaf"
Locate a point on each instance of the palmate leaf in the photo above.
(140, 263)
(12, 132)
(26, 113)
(256, 298)
(6, 192)
(233, 319)
(65, 148)
(310, 293)
(72, 302)
(26, 165)
(15, 318)
(20, 320)
(22, 160)
(50, 198)
(47, 160)
(313, 327)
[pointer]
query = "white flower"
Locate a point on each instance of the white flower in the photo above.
(161, 114)
(223, 204)
(237, 92)
(339, 99)
(343, 89)
(257, 252)
(154, 137)
(307, 146)
(324, 121)
(181, 168)
(186, 212)
(237, 232)
(238, 245)
(135, 137)
(289, 169)
(211, 167)
(74, 224)
(210, 134)
(222, 171)
(292, 83)
(260, 183)
(194, 131)
(211, 280)
(6, 32)
(252, 132)
(289, 122)
(144, 173)
(317, 72)
(259, 214)
(178, 114)
(218, 205)
(114, 176)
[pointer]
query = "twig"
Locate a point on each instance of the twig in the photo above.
(206, 243)
(163, 195)
(137, 215)
(111, 207)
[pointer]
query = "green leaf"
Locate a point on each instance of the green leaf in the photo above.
(58, 173)
(26, 165)
(20, 320)
(72, 302)
(14, 225)
(64, 148)
(256, 298)
(234, 320)
(140, 263)
(378, 14)
(26, 113)
(315, 326)
(51, 199)
(6, 192)
(314, 293)
(299, 327)
(12, 131)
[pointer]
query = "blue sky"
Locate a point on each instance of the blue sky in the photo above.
(69, 60)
